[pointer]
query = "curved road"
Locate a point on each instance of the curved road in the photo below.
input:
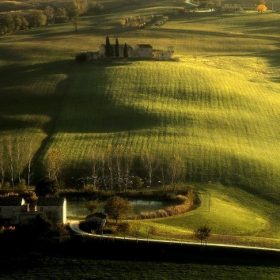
(74, 225)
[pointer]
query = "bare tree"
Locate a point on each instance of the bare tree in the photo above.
(53, 164)
(162, 167)
(29, 161)
(103, 164)
(128, 160)
(176, 170)
(119, 159)
(19, 159)
(94, 167)
(75, 23)
(149, 163)
(2, 163)
(110, 165)
(10, 147)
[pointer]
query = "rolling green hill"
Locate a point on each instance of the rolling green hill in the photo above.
(216, 104)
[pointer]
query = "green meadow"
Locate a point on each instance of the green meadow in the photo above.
(234, 216)
(217, 105)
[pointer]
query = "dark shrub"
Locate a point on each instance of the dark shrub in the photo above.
(81, 57)
(46, 187)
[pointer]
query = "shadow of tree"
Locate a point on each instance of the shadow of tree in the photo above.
(83, 88)
(81, 102)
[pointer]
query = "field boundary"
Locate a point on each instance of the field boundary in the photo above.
(74, 226)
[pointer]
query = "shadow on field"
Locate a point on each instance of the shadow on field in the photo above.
(93, 27)
(262, 26)
(22, 93)
(89, 106)
(273, 58)
(96, 102)
(64, 96)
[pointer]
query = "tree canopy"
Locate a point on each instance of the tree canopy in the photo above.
(117, 207)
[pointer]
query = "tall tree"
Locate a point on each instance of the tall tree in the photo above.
(2, 164)
(54, 164)
(117, 207)
(202, 233)
(117, 48)
(94, 167)
(125, 51)
(149, 163)
(176, 170)
(108, 51)
(75, 22)
(50, 13)
(11, 160)
(29, 161)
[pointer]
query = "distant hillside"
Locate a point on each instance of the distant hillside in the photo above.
(14, 5)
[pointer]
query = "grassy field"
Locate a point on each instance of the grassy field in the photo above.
(218, 105)
(63, 268)
(235, 217)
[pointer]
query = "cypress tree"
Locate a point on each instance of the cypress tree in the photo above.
(125, 51)
(108, 51)
(117, 48)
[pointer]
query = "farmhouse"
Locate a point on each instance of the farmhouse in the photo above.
(102, 50)
(231, 7)
(54, 208)
(206, 3)
(15, 210)
(144, 51)
(162, 54)
(11, 208)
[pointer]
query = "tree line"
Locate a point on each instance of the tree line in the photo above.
(114, 50)
(16, 162)
(43, 14)
(118, 169)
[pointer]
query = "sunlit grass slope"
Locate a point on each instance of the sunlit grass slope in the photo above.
(234, 216)
(223, 122)
(218, 106)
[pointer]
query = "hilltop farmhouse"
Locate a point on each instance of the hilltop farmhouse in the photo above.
(140, 51)
(15, 210)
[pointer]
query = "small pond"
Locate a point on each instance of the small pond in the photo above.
(78, 210)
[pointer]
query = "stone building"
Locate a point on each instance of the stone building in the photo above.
(15, 210)
(143, 51)
(55, 208)
(11, 209)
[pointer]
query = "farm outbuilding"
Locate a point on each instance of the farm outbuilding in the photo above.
(15, 210)
(231, 7)
(54, 208)
(162, 54)
(143, 51)
(11, 208)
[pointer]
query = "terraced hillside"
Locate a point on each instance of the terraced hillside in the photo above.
(218, 105)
